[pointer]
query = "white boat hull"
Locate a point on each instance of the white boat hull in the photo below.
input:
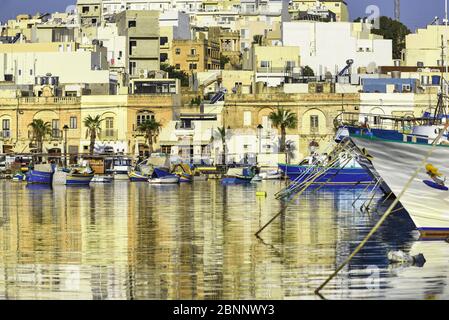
(396, 161)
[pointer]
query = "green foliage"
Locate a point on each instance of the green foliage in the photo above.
(173, 73)
(307, 71)
(283, 119)
(151, 128)
(39, 130)
(223, 61)
(93, 125)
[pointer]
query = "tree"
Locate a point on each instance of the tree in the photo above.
(93, 125)
(173, 73)
(222, 135)
(151, 128)
(283, 119)
(223, 61)
(394, 30)
(307, 72)
(39, 130)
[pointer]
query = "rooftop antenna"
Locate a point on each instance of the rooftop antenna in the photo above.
(397, 10)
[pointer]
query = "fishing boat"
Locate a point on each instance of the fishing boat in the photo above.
(241, 175)
(183, 171)
(271, 175)
(346, 172)
(163, 176)
(74, 176)
(119, 167)
(41, 174)
(19, 177)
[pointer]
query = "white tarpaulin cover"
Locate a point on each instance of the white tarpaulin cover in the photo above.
(396, 162)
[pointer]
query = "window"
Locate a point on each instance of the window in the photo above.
(193, 51)
(132, 67)
(166, 149)
(20, 72)
(178, 66)
(5, 124)
(73, 123)
(247, 118)
(163, 40)
(132, 24)
(132, 44)
(192, 66)
(163, 57)
(85, 9)
(109, 123)
(178, 51)
(55, 128)
(144, 116)
(314, 125)
(265, 64)
(31, 72)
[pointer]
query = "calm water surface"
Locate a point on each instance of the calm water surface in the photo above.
(140, 241)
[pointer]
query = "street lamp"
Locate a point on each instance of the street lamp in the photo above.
(66, 128)
(259, 132)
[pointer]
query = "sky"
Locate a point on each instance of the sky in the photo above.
(414, 13)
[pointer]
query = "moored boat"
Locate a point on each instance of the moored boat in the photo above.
(184, 172)
(340, 175)
(75, 176)
(163, 176)
(41, 174)
(242, 175)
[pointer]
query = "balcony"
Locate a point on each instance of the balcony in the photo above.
(185, 126)
(193, 57)
(109, 134)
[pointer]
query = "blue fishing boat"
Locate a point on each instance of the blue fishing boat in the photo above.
(163, 176)
(242, 175)
(351, 174)
(41, 174)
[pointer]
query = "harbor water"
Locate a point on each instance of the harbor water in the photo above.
(196, 241)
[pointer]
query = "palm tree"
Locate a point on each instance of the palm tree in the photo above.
(39, 130)
(283, 119)
(222, 135)
(93, 125)
(151, 128)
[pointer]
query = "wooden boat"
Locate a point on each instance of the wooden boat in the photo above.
(41, 174)
(76, 176)
(184, 172)
(238, 175)
(163, 176)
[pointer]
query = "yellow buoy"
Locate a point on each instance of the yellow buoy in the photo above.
(261, 194)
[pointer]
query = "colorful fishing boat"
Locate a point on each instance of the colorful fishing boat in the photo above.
(136, 176)
(241, 175)
(41, 174)
(163, 176)
(19, 177)
(184, 172)
(75, 176)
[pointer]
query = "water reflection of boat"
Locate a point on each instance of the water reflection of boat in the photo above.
(41, 174)
(163, 176)
(241, 175)
(102, 179)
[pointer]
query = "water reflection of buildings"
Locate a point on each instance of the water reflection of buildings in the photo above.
(136, 241)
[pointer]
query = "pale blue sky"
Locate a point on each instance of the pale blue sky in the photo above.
(414, 13)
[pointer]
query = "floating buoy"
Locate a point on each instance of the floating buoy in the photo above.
(261, 194)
